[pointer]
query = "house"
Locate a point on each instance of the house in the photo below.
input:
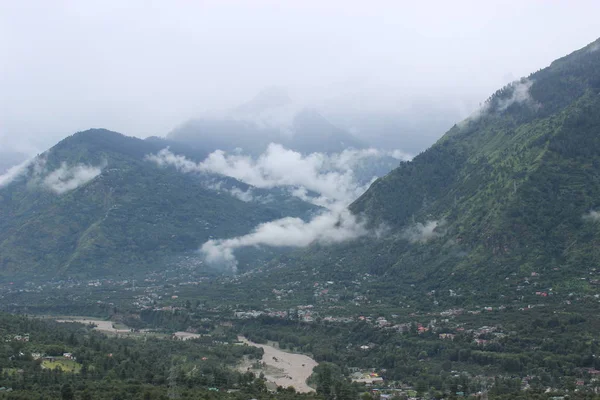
(447, 336)
(68, 356)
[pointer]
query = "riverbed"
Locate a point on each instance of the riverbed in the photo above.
(101, 325)
(283, 368)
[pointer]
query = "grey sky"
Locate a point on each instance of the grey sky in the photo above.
(143, 67)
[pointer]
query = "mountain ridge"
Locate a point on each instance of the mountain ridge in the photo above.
(507, 193)
(113, 219)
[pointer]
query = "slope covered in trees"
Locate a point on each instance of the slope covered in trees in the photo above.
(93, 205)
(510, 192)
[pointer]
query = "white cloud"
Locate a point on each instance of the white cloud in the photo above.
(330, 176)
(421, 233)
(328, 228)
(245, 196)
(520, 94)
(327, 180)
(14, 173)
(593, 216)
(66, 178)
(59, 181)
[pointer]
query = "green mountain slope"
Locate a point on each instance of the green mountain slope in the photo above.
(505, 195)
(129, 218)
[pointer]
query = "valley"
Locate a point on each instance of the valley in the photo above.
(265, 253)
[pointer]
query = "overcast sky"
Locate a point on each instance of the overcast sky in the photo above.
(143, 67)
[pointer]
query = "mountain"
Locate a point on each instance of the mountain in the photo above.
(412, 129)
(270, 117)
(509, 196)
(93, 205)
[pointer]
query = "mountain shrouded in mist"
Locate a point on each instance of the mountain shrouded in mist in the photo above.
(270, 117)
(512, 191)
(98, 201)
(94, 205)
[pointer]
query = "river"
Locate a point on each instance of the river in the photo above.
(286, 369)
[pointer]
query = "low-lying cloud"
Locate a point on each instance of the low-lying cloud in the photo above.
(243, 195)
(14, 172)
(593, 216)
(519, 94)
(67, 178)
(327, 180)
(424, 232)
(328, 228)
(60, 180)
(330, 176)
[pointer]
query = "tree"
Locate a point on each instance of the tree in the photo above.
(66, 392)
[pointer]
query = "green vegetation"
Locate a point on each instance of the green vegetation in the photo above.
(107, 367)
(62, 364)
(483, 281)
(509, 191)
(133, 217)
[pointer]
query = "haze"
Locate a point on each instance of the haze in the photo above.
(144, 67)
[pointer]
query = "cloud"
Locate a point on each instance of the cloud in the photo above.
(327, 228)
(520, 94)
(327, 180)
(61, 180)
(245, 196)
(14, 172)
(593, 216)
(67, 178)
(421, 233)
(332, 176)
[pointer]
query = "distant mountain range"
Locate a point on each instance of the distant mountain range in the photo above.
(512, 192)
(270, 117)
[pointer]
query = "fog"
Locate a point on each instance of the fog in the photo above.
(144, 67)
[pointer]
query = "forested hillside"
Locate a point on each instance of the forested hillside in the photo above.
(93, 205)
(513, 191)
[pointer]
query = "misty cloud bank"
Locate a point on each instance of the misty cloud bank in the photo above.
(60, 180)
(65, 178)
(331, 176)
(519, 94)
(14, 173)
(593, 216)
(424, 232)
(328, 228)
(246, 196)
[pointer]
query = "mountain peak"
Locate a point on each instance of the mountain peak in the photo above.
(268, 98)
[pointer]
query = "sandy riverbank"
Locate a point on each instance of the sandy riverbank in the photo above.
(103, 326)
(108, 327)
(283, 368)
